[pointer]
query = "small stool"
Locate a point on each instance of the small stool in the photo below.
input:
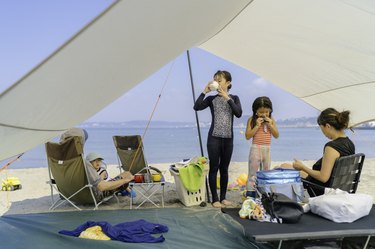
(147, 191)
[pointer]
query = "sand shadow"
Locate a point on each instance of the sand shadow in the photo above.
(43, 204)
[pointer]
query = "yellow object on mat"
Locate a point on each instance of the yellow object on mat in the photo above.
(94, 232)
(241, 180)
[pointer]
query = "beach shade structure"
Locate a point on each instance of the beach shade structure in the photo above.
(345, 175)
(68, 175)
(319, 51)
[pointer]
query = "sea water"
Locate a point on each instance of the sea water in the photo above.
(168, 145)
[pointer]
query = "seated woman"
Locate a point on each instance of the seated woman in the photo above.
(332, 124)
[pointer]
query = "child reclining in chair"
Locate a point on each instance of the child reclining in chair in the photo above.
(102, 187)
(96, 161)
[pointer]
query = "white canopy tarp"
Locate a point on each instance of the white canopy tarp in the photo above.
(321, 51)
(130, 41)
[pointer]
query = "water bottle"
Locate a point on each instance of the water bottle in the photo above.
(147, 177)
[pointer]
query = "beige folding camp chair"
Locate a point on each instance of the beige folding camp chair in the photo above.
(67, 172)
(131, 158)
(130, 153)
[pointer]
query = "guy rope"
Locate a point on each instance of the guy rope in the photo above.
(152, 114)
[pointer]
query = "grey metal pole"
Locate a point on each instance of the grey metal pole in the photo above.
(196, 118)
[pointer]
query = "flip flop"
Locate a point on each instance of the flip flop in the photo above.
(226, 203)
(216, 204)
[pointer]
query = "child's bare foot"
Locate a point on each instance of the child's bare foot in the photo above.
(216, 204)
(226, 203)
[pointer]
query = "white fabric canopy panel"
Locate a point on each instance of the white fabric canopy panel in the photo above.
(122, 47)
(320, 51)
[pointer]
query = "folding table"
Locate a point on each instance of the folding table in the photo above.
(146, 193)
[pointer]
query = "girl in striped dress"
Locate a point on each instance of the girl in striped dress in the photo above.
(261, 127)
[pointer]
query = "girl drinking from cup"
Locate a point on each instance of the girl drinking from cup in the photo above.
(223, 107)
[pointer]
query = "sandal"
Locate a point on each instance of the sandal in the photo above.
(216, 204)
(226, 203)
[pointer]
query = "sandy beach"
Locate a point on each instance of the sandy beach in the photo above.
(35, 195)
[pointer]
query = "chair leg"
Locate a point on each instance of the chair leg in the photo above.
(280, 244)
(162, 195)
(60, 202)
(131, 198)
(367, 241)
(52, 199)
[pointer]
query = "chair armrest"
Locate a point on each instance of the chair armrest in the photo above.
(51, 181)
(313, 184)
(308, 185)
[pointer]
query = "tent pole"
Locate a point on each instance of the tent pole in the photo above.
(196, 118)
(196, 113)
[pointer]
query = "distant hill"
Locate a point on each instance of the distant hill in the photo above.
(292, 122)
(369, 125)
(298, 122)
(139, 123)
(303, 122)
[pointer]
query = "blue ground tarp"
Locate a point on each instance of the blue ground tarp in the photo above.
(188, 228)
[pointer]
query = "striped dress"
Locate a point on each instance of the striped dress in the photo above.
(262, 136)
(260, 154)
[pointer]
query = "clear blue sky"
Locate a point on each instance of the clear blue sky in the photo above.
(31, 30)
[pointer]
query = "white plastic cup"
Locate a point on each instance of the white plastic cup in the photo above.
(214, 86)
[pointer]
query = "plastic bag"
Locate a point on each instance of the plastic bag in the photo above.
(94, 232)
(340, 206)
